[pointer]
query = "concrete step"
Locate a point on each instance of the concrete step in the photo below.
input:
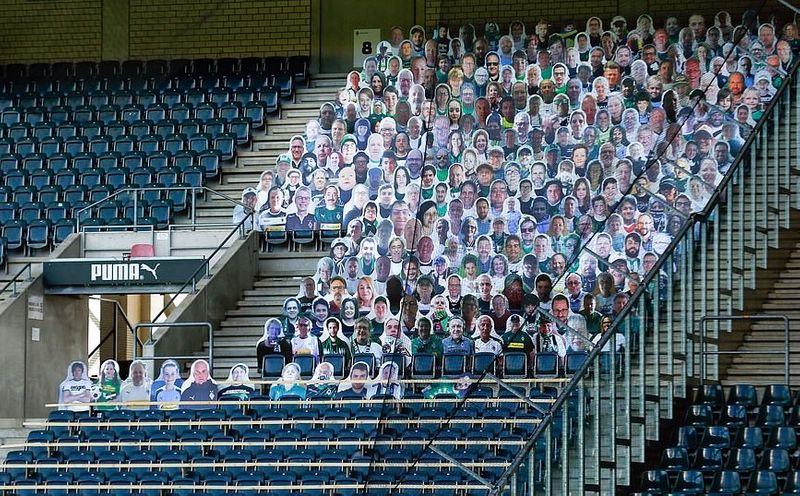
(255, 330)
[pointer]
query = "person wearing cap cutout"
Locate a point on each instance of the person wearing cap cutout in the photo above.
(240, 212)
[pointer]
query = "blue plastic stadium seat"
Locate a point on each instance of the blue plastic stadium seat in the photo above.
(741, 460)
(771, 415)
(762, 482)
(777, 394)
(744, 394)
(674, 459)
(708, 460)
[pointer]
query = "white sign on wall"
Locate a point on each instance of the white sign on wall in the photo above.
(365, 44)
(36, 307)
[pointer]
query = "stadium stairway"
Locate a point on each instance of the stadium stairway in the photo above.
(279, 271)
(777, 294)
(279, 278)
(12, 435)
(752, 244)
(262, 151)
(772, 284)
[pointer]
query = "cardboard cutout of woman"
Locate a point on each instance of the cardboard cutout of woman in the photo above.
(326, 268)
(238, 385)
(348, 315)
(362, 132)
(108, 385)
(199, 387)
(136, 388)
(290, 314)
(273, 341)
(76, 389)
(288, 384)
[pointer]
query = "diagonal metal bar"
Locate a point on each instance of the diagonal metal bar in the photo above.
(513, 391)
(460, 466)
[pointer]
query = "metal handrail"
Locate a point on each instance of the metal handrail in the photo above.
(128, 189)
(695, 218)
(13, 282)
(238, 228)
(704, 352)
(789, 6)
(117, 310)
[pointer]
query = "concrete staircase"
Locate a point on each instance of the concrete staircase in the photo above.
(11, 434)
(778, 293)
(280, 271)
(262, 151)
(235, 338)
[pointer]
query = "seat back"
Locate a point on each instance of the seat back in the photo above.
(423, 366)
(574, 361)
(142, 250)
(338, 362)
(483, 362)
(546, 364)
(515, 365)
(307, 364)
(454, 364)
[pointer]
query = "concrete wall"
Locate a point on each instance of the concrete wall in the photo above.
(454, 13)
(175, 243)
(230, 277)
(53, 30)
(335, 36)
(214, 28)
(34, 369)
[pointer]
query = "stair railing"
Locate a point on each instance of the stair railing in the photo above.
(596, 433)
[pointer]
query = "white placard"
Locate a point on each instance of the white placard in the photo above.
(35, 334)
(36, 307)
(365, 44)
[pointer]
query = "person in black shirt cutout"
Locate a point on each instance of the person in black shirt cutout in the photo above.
(273, 343)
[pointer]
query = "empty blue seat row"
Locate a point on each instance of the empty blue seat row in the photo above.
(692, 438)
(140, 176)
(18, 154)
(723, 482)
(54, 203)
(226, 66)
(51, 136)
(737, 415)
(747, 395)
(66, 164)
(131, 100)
